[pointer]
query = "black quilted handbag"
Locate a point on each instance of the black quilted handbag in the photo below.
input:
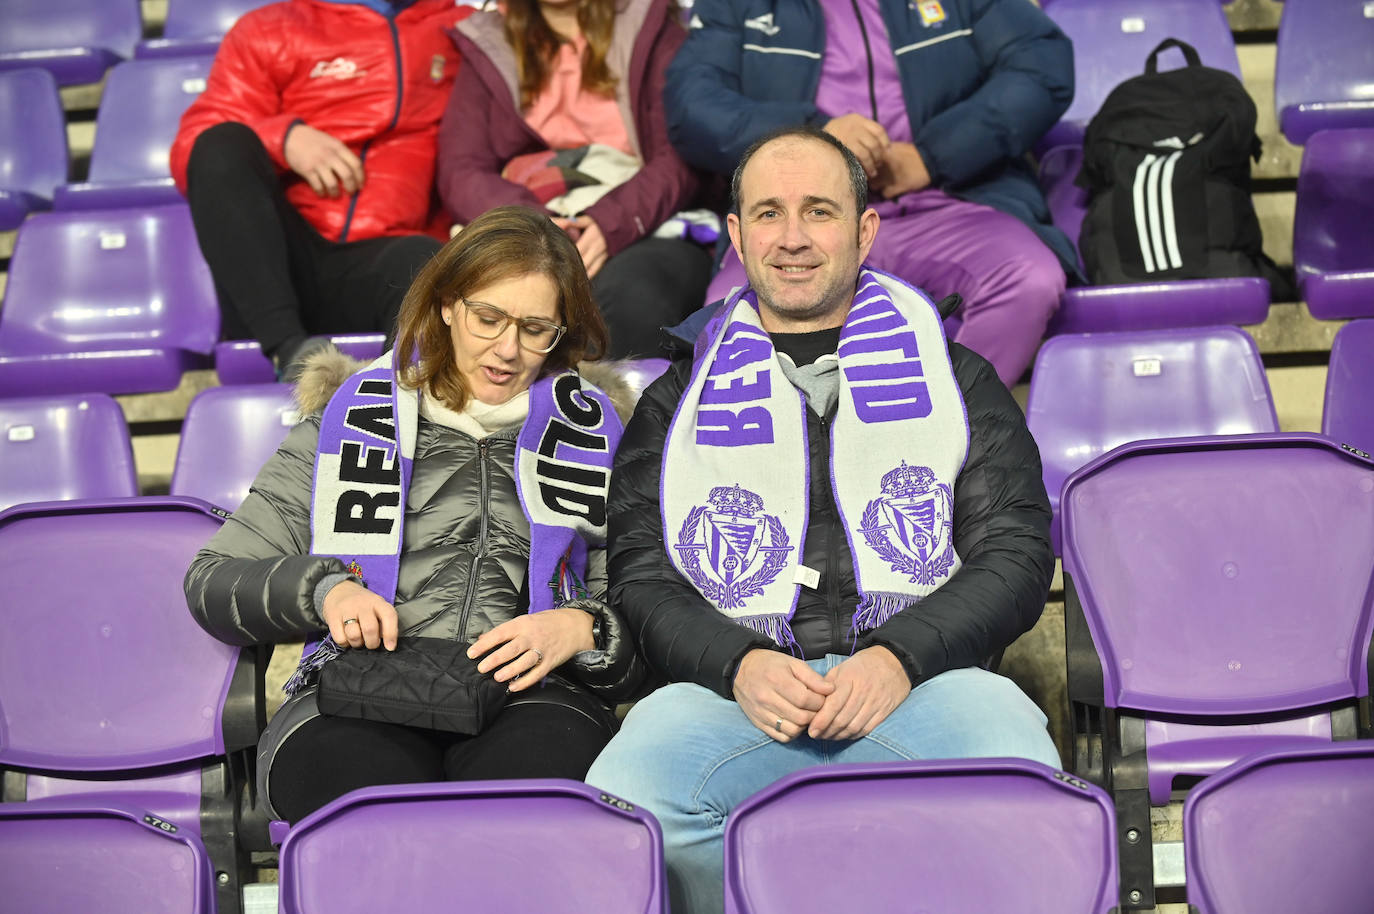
(424, 682)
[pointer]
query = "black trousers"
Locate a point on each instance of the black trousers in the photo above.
(277, 278)
(652, 284)
(329, 756)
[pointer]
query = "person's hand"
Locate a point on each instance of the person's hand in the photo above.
(902, 171)
(591, 244)
(527, 648)
(867, 688)
(324, 161)
(865, 138)
(779, 693)
(568, 225)
(358, 617)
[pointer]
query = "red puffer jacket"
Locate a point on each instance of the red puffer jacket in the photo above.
(335, 66)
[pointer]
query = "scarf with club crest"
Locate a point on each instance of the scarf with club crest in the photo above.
(735, 475)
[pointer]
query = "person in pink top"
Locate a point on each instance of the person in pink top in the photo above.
(559, 108)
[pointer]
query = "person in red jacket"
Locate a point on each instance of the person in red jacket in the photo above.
(560, 108)
(308, 163)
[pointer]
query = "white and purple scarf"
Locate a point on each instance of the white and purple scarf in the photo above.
(563, 470)
(735, 471)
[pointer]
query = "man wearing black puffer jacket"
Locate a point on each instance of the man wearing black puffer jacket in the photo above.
(822, 526)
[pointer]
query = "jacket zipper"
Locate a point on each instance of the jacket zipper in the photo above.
(484, 494)
(832, 557)
(868, 59)
(395, 119)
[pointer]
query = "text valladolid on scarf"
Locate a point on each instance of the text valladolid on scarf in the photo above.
(563, 469)
(735, 470)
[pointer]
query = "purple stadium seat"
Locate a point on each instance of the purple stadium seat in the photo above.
(1219, 598)
(102, 857)
(536, 845)
(228, 434)
(242, 361)
(939, 837)
(1348, 413)
(33, 144)
(1145, 305)
(140, 110)
(1283, 831)
(112, 699)
(117, 301)
(1324, 68)
(75, 40)
(1113, 38)
(1333, 238)
(1092, 392)
(640, 373)
(195, 27)
(62, 447)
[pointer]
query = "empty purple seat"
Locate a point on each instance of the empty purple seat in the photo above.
(99, 858)
(140, 111)
(242, 361)
(1348, 413)
(536, 845)
(228, 434)
(940, 837)
(1324, 67)
(75, 40)
(195, 26)
(33, 144)
(640, 373)
(62, 447)
(1283, 831)
(116, 301)
(1112, 39)
(1219, 595)
(1145, 305)
(1092, 392)
(1333, 239)
(111, 697)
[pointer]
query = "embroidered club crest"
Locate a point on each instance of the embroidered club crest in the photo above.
(356, 570)
(911, 524)
(743, 548)
(932, 13)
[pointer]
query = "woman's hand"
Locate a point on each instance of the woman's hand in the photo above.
(524, 650)
(358, 617)
(591, 243)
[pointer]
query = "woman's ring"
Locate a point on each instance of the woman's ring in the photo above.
(354, 621)
(538, 653)
(777, 725)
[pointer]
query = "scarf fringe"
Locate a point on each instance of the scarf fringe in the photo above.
(876, 608)
(774, 626)
(309, 667)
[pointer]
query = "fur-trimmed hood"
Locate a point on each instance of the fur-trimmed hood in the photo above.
(327, 369)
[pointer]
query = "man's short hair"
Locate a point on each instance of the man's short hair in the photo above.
(858, 180)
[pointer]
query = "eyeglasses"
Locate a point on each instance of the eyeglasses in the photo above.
(489, 322)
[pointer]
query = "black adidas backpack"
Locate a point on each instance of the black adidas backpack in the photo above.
(1166, 162)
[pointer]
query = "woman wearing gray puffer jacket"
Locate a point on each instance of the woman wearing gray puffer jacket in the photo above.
(495, 323)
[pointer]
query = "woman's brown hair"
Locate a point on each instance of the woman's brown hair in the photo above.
(501, 243)
(536, 45)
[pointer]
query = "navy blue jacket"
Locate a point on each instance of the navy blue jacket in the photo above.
(980, 87)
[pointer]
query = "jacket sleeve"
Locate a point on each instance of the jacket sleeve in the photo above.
(1002, 532)
(1028, 64)
(615, 671)
(254, 582)
(665, 184)
(710, 120)
(469, 169)
(680, 634)
(252, 70)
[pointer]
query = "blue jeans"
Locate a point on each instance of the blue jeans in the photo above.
(690, 757)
